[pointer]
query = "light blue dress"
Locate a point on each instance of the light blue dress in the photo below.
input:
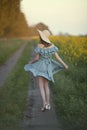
(45, 66)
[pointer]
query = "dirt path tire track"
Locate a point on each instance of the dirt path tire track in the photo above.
(6, 68)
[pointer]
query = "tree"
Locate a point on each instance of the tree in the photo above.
(13, 22)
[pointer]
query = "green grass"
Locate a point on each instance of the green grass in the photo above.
(70, 97)
(7, 48)
(13, 95)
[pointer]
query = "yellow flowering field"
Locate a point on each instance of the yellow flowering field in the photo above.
(70, 88)
(73, 47)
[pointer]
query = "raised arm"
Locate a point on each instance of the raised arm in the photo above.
(60, 60)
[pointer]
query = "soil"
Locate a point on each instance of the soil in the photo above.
(7, 67)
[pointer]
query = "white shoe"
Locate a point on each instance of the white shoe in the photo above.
(43, 108)
(48, 107)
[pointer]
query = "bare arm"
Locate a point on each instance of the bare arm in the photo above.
(36, 58)
(60, 60)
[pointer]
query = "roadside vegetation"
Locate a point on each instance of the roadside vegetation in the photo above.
(70, 88)
(7, 48)
(13, 94)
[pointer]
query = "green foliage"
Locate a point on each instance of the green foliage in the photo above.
(13, 95)
(70, 96)
(8, 47)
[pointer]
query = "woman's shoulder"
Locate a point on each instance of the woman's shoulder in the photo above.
(52, 47)
(40, 45)
(38, 48)
(41, 48)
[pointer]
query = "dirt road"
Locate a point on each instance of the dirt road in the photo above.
(34, 119)
(6, 68)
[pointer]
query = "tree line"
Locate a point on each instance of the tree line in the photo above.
(13, 22)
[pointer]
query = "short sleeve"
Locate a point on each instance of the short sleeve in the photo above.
(55, 48)
(36, 50)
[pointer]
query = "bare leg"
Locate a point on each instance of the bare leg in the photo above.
(47, 90)
(42, 91)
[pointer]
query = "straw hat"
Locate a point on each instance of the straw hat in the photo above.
(44, 36)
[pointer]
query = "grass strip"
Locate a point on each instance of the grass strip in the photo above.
(14, 93)
(7, 48)
(70, 97)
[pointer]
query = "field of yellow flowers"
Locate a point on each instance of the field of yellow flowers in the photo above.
(74, 48)
(70, 88)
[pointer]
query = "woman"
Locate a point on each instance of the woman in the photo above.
(44, 66)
